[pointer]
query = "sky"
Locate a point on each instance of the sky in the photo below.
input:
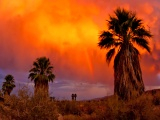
(67, 31)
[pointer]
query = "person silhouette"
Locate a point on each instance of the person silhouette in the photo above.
(75, 96)
(72, 96)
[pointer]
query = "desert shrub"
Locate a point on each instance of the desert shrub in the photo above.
(72, 117)
(96, 110)
(29, 107)
(66, 107)
(89, 110)
(89, 107)
(141, 108)
(82, 117)
(115, 109)
(156, 99)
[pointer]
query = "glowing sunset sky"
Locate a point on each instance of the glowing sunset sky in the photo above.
(67, 32)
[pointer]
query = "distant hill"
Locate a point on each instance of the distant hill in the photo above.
(148, 92)
(154, 91)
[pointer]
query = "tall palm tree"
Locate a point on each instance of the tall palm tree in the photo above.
(41, 74)
(125, 32)
(8, 85)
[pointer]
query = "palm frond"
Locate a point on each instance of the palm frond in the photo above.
(106, 40)
(35, 70)
(143, 43)
(118, 43)
(36, 65)
(51, 77)
(133, 50)
(9, 77)
(142, 32)
(49, 68)
(41, 70)
(110, 55)
(122, 15)
(113, 25)
(46, 63)
(126, 25)
(33, 76)
(136, 23)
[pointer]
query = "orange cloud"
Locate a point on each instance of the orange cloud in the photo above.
(147, 8)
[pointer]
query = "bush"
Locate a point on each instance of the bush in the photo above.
(68, 107)
(141, 108)
(28, 107)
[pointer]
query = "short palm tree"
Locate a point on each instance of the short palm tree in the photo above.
(41, 74)
(125, 32)
(8, 85)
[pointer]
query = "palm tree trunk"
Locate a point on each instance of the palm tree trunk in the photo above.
(41, 87)
(46, 87)
(128, 81)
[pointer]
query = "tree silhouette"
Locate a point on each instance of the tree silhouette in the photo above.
(41, 74)
(8, 85)
(125, 31)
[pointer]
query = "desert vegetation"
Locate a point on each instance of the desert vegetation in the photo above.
(30, 107)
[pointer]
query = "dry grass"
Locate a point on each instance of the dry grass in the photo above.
(146, 107)
(25, 106)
